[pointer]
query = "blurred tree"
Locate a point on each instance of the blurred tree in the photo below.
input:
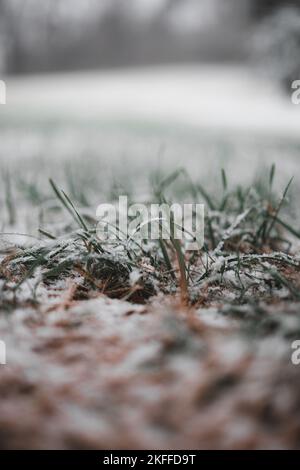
(277, 43)
(12, 20)
(262, 8)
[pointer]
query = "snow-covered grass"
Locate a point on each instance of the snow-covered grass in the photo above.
(249, 245)
(223, 98)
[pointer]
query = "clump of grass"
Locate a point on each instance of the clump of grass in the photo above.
(247, 250)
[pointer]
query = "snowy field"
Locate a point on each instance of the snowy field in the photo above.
(128, 124)
(191, 350)
(211, 98)
(199, 117)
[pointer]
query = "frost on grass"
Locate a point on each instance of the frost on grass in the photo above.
(192, 349)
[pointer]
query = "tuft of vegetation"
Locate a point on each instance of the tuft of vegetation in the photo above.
(247, 254)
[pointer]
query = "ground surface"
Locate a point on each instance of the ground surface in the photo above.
(107, 374)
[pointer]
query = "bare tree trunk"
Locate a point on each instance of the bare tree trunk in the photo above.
(13, 33)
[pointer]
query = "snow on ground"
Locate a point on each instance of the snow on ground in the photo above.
(226, 98)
